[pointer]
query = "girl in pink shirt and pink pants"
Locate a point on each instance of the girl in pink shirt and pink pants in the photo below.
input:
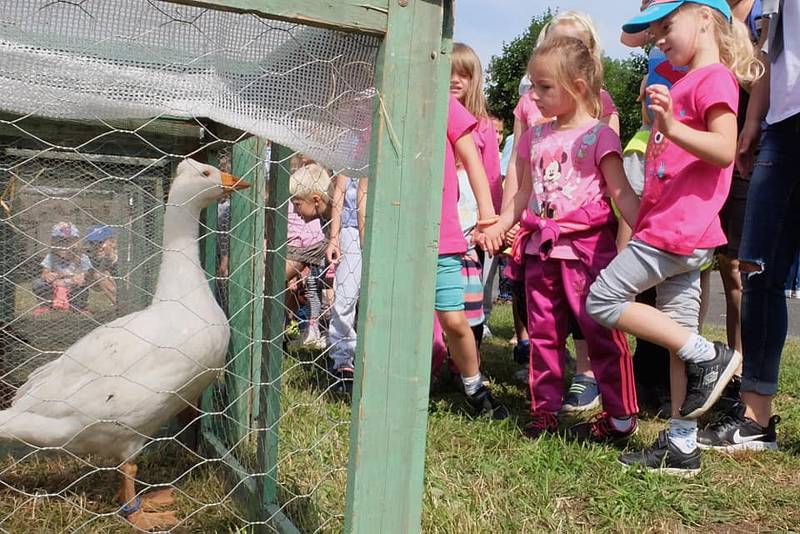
(570, 166)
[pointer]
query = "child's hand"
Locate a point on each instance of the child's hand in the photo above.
(661, 106)
(332, 252)
(490, 238)
(511, 235)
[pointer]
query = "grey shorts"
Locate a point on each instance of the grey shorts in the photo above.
(313, 255)
(639, 267)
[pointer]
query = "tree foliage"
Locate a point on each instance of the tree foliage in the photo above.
(622, 78)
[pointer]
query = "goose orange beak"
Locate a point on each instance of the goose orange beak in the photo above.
(232, 183)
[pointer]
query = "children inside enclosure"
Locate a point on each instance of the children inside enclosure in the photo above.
(62, 282)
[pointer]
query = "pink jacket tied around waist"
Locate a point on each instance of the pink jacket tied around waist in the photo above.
(591, 230)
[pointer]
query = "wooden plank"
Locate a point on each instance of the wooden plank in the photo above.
(274, 316)
(368, 16)
(257, 179)
(245, 163)
(390, 404)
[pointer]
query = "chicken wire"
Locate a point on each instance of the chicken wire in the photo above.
(74, 76)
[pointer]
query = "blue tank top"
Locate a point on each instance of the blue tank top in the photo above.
(350, 209)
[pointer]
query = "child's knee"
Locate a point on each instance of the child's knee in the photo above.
(602, 305)
(454, 323)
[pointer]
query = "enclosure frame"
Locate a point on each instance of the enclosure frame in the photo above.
(390, 397)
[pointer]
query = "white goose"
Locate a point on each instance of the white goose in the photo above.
(116, 386)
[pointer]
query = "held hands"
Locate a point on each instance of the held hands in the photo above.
(661, 106)
(511, 235)
(489, 235)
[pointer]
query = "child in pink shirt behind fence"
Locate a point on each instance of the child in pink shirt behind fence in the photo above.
(688, 168)
(570, 166)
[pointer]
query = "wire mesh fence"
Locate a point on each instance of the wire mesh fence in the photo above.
(160, 363)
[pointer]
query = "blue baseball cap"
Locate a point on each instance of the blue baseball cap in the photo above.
(658, 9)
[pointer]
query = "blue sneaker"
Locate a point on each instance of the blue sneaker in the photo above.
(583, 395)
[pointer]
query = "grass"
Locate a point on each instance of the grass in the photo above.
(481, 476)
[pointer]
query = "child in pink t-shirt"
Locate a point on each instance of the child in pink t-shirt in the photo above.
(449, 301)
(570, 167)
(688, 167)
(583, 393)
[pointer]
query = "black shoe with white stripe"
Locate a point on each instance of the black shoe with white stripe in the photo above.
(664, 457)
(734, 432)
(705, 381)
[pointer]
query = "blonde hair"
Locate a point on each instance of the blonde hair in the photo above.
(465, 62)
(736, 50)
(573, 61)
(583, 22)
(311, 179)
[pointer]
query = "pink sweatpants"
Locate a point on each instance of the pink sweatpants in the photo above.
(554, 289)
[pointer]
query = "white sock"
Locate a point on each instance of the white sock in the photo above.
(683, 434)
(622, 424)
(697, 349)
(472, 383)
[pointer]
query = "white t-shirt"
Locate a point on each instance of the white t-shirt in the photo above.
(785, 70)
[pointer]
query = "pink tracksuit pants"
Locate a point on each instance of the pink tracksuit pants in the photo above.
(554, 290)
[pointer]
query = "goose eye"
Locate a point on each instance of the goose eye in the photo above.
(206, 173)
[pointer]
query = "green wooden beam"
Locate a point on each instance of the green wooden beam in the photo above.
(390, 405)
(274, 317)
(367, 16)
(247, 163)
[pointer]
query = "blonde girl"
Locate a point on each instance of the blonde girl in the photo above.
(583, 393)
(571, 166)
(688, 168)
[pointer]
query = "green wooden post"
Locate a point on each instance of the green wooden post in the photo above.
(274, 315)
(390, 408)
(246, 206)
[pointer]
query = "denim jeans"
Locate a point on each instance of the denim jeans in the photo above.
(771, 240)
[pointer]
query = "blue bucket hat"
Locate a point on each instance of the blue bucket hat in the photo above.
(658, 9)
(99, 233)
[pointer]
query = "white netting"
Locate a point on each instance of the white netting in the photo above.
(303, 87)
(102, 99)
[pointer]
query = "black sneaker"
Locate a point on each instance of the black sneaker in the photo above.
(600, 429)
(735, 432)
(483, 402)
(731, 399)
(705, 381)
(522, 352)
(664, 457)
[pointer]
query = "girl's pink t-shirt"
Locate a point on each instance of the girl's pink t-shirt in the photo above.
(300, 233)
(528, 112)
(485, 137)
(459, 123)
(565, 171)
(683, 194)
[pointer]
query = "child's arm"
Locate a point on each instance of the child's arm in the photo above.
(757, 109)
(512, 211)
(468, 154)
(619, 189)
(361, 202)
(717, 146)
(332, 251)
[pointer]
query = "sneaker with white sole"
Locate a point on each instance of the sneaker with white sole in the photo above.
(705, 381)
(735, 432)
(664, 457)
(583, 395)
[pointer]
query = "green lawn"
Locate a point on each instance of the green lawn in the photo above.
(481, 476)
